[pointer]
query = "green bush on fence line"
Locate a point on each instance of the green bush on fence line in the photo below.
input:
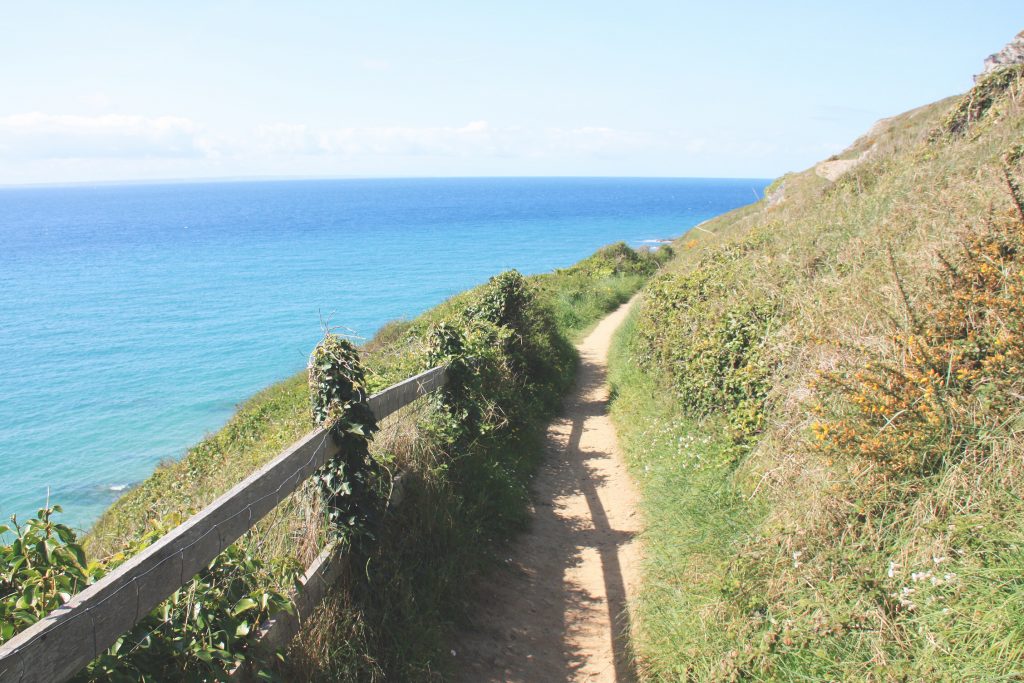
(201, 631)
(507, 348)
(350, 482)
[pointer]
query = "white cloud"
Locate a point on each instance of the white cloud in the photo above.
(52, 136)
(472, 139)
(37, 135)
(476, 138)
(41, 147)
(278, 138)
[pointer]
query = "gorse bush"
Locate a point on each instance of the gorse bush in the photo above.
(953, 373)
(865, 335)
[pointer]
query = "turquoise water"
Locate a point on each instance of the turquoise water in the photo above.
(133, 319)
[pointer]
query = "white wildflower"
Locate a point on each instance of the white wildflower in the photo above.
(904, 597)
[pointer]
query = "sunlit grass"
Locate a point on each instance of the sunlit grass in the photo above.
(389, 618)
(872, 527)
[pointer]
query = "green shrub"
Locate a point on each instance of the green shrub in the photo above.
(466, 459)
(578, 296)
(620, 259)
(350, 483)
(40, 569)
(976, 102)
(712, 343)
(202, 631)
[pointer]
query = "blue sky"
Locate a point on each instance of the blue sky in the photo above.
(103, 91)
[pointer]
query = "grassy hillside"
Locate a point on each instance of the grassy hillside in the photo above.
(465, 456)
(821, 398)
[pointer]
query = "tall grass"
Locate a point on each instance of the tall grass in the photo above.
(697, 519)
(389, 616)
(860, 513)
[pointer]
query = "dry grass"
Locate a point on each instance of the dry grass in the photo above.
(388, 618)
(878, 558)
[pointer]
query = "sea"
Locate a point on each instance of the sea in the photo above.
(135, 318)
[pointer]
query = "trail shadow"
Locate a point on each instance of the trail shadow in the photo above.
(608, 541)
(524, 629)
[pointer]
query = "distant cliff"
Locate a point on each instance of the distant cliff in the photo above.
(1013, 53)
(820, 396)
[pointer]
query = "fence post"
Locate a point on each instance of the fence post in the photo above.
(350, 481)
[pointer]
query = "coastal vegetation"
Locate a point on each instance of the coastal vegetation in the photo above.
(820, 397)
(465, 456)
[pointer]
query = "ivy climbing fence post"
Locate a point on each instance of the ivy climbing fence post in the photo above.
(58, 646)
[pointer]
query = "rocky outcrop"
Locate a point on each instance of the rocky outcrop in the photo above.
(1013, 53)
(834, 168)
(777, 195)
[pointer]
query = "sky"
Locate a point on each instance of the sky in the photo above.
(116, 91)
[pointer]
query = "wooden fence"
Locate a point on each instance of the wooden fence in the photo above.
(60, 645)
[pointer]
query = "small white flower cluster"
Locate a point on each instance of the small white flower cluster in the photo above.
(934, 579)
(679, 435)
(932, 576)
(904, 597)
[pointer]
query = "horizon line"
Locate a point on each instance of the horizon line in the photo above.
(299, 178)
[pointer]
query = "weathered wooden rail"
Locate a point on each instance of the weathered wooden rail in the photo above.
(60, 645)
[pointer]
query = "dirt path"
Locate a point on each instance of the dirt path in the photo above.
(559, 612)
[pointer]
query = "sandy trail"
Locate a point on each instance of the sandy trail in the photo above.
(559, 612)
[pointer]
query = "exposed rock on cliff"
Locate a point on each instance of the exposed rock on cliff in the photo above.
(1013, 53)
(832, 169)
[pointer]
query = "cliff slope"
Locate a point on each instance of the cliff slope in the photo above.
(821, 400)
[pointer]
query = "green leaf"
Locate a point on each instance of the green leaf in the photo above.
(242, 629)
(243, 605)
(79, 554)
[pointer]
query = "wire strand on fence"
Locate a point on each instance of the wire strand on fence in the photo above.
(65, 615)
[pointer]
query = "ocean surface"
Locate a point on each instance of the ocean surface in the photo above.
(134, 318)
